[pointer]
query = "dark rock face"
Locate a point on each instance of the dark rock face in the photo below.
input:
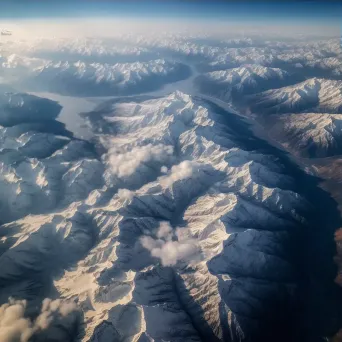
(105, 332)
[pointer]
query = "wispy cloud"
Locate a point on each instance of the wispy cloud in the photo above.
(172, 245)
(124, 163)
(15, 327)
(178, 172)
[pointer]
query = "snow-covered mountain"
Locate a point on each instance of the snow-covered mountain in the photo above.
(102, 79)
(303, 117)
(185, 228)
(93, 79)
(19, 108)
(315, 95)
(333, 65)
(40, 161)
(308, 134)
(247, 79)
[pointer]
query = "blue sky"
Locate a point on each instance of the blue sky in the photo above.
(239, 10)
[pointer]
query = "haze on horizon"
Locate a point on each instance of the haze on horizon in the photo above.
(109, 18)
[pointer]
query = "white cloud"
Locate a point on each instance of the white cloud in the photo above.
(15, 327)
(124, 163)
(178, 172)
(164, 169)
(169, 250)
(125, 194)
(164, 231)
